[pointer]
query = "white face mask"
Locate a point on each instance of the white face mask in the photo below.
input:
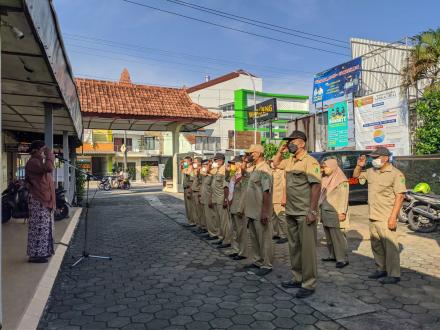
(215, 165)
(203, 169)
(195, 165)
(377, 163)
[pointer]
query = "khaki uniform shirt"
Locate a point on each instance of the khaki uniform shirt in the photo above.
(237, 199)
(335, 203)
(383, 186)
(197, 181)
(218, 185)
(260, 181)
(205, 189)
(300, 175)
(187, 179)
(279, 186)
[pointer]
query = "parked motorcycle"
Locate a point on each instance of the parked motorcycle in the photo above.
(105, 184)
(15, 201)
(125, 184)
(62, 205)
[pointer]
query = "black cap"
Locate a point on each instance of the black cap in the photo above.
(380, 151)
(219, 156)
(234, 160)
(205, 161)
(296, 135)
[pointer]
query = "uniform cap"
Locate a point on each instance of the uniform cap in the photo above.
(296, 135)
(205, 161)
(219, 156)
(234, 160)
(255, 148)
(380, 151)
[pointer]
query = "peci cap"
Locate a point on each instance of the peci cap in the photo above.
(380, 151)
(205, 161)
(255, 148)
(219, 156)
(236, 159)
(296, 135)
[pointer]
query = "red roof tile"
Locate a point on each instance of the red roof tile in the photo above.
(218, 80)
(127, 100)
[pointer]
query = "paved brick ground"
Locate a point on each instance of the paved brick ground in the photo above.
(162, 276)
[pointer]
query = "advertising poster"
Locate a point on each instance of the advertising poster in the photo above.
(381, 119)
(337, 125)
(338, 81)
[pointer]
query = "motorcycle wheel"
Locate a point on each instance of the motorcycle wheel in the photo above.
(100, 186)
(61, 213)
(6, 214)
(107, 186)
(420, 223)
(403, 216)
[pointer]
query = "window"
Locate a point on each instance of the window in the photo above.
(207, 143)
(150, 143)
(227, 107)
(118, 142)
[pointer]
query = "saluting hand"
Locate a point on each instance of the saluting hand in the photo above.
(362, 161)
(283, 148)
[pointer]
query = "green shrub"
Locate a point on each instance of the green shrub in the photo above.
(168, 170)
(145, 170)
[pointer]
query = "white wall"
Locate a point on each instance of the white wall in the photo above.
(223, 93)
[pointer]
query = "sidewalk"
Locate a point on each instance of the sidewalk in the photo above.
(163, 276)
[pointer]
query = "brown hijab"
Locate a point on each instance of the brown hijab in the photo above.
(329, 183)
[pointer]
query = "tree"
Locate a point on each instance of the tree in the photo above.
(428, 113)
(270, 149)
(424, 59)
(145, 171)
(168, 170)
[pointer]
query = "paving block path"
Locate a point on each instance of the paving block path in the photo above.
(163, 276)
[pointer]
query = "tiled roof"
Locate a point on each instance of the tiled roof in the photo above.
(218, 80)
(127, 100)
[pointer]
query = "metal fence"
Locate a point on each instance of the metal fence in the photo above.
(421, 169)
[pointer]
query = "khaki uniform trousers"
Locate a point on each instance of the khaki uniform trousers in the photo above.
(385, 248)
(302, 249)
(336, 243)
(188, 208)
(223, 219)
(279, 221)
(210, 218)
(198, 210)
(261, 243)
(240, 240)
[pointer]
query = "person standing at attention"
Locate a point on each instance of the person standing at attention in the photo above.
(386, 191)
(303, 188)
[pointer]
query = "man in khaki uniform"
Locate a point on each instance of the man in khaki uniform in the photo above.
(258, 211)
(205, 199)
(279, 209)
(219, 202)
(386, 189)
(195, 196)
(239, 223)
(186, 168)
(303, 188)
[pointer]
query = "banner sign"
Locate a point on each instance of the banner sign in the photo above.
(337, 125)
(266, 111)
(338, 81)
(381, 119)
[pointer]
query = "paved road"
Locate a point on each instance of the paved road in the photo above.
(163, 276)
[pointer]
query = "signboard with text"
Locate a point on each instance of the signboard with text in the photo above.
(337, 125)
(265, 111)
(337, 81)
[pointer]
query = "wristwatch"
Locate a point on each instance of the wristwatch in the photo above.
(314, 213)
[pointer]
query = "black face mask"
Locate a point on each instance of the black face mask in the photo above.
(292, 147)
(250, 159)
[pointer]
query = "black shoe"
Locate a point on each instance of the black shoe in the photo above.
(263, 271)
(232, 255)
(378, 274)
(188, 225)
(276, 237)
(203, 235)
(390, 280)
(217, 243)
(291, 284)
(239, 258)
(223, 246)
(211, 238)
(304, 293)
(328, 259)
(38, 260)
(251, 266)
(282, 241)
(342, 264)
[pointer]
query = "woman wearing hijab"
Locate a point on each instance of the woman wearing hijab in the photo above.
(334, 211)
(41, 187)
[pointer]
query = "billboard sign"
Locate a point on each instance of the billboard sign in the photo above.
(337, 81)
(265, 111)
(337, 125)
(381, 119)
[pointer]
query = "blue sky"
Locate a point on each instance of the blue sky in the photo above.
(163, 49)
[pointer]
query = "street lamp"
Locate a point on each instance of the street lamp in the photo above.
(255, 106)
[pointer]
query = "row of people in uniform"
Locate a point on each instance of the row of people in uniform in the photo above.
(250, 197)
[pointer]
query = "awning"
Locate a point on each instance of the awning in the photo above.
(36, 70)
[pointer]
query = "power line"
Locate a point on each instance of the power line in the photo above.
(234, 29)
(260, 24)
(173, 53)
